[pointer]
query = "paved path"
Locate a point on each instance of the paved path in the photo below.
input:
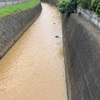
(33, 69)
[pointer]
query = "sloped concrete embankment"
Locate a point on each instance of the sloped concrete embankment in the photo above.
(81, 42)
(13, 26)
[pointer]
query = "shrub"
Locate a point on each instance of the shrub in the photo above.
(98, 9)
(62, 6)
(67, 6)
(94, 5)
(85, 4)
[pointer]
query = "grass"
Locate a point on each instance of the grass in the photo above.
(17, 8)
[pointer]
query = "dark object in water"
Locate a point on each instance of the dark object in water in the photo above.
(57, 36)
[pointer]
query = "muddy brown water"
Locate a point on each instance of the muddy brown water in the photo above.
(33, 69)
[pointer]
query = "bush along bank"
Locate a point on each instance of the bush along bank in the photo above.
(89, 9)
(69, 6)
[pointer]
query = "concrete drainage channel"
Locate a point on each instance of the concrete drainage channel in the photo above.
(81, 45)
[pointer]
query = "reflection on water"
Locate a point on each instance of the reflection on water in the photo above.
(32, 70)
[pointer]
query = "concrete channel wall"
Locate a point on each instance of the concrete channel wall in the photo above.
(13, 26)
(81, 42)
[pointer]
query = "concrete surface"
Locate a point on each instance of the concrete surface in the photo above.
(81, 41)
(89, 15)
(13, 26)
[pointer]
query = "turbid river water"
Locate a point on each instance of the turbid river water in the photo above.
(33, 69)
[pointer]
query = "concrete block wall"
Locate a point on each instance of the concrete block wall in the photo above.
(81, 42)
(89, 15)
(13, 26)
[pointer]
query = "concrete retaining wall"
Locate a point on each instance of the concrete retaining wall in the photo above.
(89, 15)
(81, 42)
(13, 26)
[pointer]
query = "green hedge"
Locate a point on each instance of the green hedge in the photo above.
(69, 6)
(86, 4)
(98, 9)
(95, 6)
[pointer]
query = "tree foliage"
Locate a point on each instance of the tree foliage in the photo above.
(69, 6)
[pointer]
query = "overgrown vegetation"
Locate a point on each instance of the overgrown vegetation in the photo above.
(69, 6)
(98, 9)
(17, 8)
(95, 6)
(85, 4)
